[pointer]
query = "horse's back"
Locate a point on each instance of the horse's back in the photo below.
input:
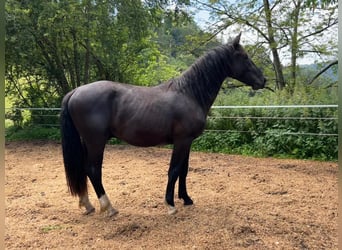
(107, 108)
(142, 116)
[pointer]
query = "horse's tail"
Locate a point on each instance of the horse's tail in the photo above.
(73, 152)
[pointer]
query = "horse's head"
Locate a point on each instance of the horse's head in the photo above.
(243, 68)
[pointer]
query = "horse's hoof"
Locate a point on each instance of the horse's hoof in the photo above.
(89, 211)
(112, 212)
(170, 209)
(186, 199)
(89, 208)
(188, 202)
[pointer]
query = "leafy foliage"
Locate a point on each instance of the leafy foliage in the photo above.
(282, 28)
(308, 133)
(55, 46)
(296, 132)
(32, 133)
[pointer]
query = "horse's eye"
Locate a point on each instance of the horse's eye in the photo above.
(244, 56)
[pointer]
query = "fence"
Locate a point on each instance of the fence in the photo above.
(49, 117)
(300, 131)
(300, 116)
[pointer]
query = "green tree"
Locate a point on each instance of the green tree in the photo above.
(54, 46)
(283, 26)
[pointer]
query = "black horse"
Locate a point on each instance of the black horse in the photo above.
(173, 112)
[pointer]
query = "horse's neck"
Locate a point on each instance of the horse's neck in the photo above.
(203, 81)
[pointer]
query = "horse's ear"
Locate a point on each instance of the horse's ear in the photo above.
(236, 40)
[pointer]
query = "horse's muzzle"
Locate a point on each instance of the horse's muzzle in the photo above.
(259, 85)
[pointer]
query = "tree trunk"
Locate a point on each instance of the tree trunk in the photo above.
(76, 59)
(87, 62)
(87, 44)
(280, 82)
(54, 65)
(294, 44)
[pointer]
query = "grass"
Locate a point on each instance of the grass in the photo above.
(49, 228)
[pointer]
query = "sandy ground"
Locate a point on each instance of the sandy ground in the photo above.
(240, 202)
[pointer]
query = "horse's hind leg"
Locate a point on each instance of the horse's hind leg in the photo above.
(94, 172)
(106, 206)
(84, 202)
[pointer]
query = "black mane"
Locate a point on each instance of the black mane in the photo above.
(203, 79)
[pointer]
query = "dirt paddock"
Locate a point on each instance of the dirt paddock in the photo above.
(240, 202)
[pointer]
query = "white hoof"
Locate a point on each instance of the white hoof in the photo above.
(106, 206)
(170, 209)
(84, 202)
(111, 212)
(89, 211)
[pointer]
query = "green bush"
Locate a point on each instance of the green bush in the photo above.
(309, 133)
(279, 132)
(32, 133)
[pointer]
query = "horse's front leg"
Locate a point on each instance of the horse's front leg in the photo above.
(182, 191)
(178, 168)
